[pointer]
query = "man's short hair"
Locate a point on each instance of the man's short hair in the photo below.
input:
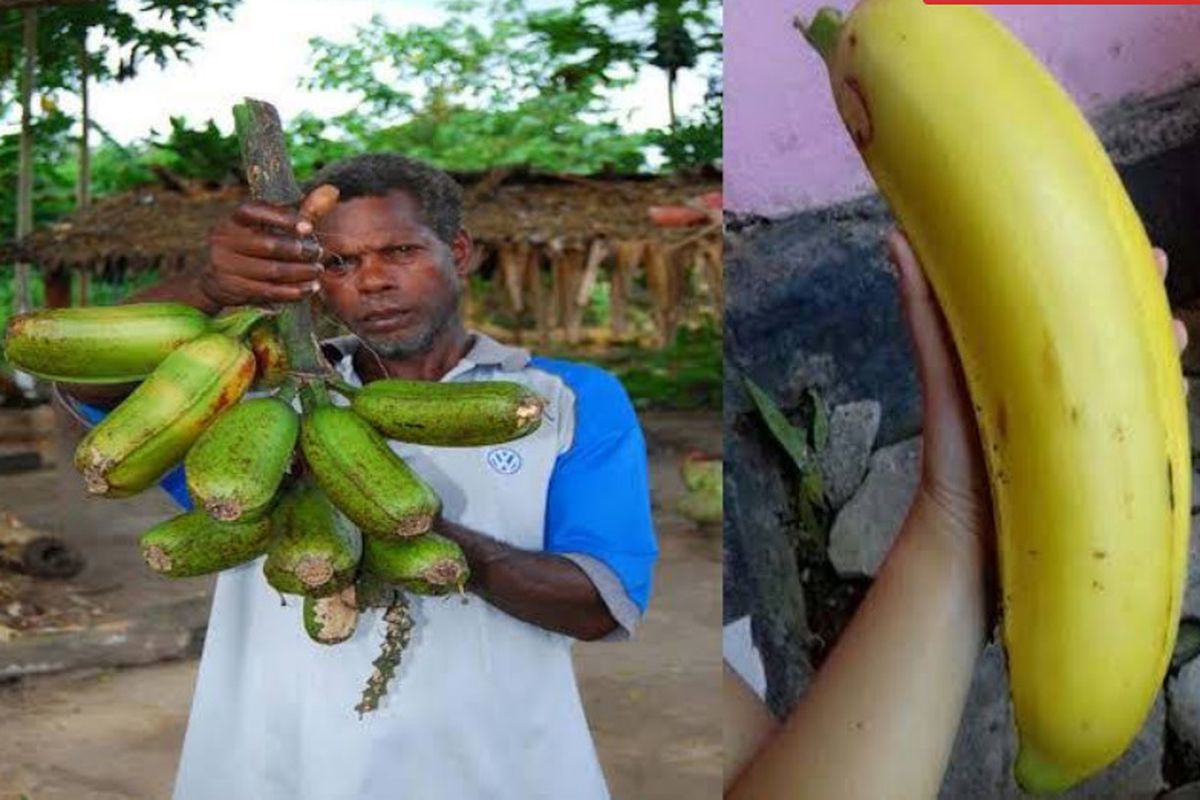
(438, 196)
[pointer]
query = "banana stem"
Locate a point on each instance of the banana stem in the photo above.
(313, 394)
(341, 387)
(268, 170)
(287, 392)
(823, 32)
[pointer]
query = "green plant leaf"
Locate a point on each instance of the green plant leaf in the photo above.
(793, 439)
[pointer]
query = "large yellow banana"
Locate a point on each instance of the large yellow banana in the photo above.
(1047, 280)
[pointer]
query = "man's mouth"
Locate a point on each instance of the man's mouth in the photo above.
(385, 320)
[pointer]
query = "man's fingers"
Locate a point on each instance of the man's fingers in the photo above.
(261, 244)
(319, 202)
(265, 270)
(1160, 261)
(252, 291)
(255, 214)
(1181, 334)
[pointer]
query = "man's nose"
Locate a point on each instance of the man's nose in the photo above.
(375, 274)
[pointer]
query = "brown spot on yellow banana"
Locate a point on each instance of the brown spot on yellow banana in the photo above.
(153, 428)
(316, 550)
(451, 414)
(195, 544)
(100, 344)
(234, 469)
(1046, 277)
(368, 482)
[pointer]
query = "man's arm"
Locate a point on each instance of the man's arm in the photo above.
(543, 589)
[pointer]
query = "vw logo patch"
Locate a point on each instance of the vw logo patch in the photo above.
(504, 460)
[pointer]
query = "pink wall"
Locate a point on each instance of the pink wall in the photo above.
(786, 149)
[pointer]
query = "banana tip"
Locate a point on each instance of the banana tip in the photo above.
(1040, 776)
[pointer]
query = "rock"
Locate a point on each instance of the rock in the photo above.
(761, 574)
(981, 762)
(852, 429)
(1184, 691)
(864, 529)
(1191, 595)
(811, 303)
(1188, 792)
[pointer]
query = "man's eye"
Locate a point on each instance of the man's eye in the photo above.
(400, 251)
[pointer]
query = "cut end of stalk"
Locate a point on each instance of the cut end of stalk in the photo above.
(823, 32)
(313, 571)
(414, 525)
(157, 559)
(530, 412)
(223, 510)
(445, 573)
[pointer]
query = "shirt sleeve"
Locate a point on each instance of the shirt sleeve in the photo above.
(173, 483)
(598, 505)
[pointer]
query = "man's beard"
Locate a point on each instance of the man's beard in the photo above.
(401, 346)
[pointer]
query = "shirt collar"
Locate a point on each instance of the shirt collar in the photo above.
(485, 352)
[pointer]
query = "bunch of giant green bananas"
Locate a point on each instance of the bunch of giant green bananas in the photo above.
(351, 525)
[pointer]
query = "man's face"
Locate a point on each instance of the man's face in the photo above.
(388, 276)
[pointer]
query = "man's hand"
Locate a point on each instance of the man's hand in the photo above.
(265, 254)
(543, 589)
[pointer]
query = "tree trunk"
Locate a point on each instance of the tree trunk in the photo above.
(83, 188)
(25, 167)
(671, 97)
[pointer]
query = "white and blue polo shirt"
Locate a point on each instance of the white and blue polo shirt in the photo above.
(483, 705)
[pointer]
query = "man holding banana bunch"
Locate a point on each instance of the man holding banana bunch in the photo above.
(555, 528)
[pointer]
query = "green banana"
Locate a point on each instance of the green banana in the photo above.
(154, 427)
(363, 477)
(332, 619)
(100, 344)
(429, 564)
(316, 549)
(237, 464)
(451, 414)
(195, 544)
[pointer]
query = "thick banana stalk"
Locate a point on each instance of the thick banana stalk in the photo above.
(236, 466)
(450, 414)
(363, 477)
(1049, 287)
(195, 544)
(332, 619)
(429, 564)
(100, 344)
(316, 549)
(154, 427)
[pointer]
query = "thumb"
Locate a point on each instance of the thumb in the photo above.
(316, 204)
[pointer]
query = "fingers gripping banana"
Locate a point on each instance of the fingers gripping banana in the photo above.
(363, 477)
(153, 428)
(1048, 284)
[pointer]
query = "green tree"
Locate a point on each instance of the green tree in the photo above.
(470, 96)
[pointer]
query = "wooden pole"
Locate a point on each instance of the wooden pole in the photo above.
(83, 187)
(25, 163)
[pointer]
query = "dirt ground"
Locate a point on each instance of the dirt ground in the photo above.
(114, 734)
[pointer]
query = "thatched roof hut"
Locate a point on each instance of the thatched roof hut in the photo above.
(527, 224)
